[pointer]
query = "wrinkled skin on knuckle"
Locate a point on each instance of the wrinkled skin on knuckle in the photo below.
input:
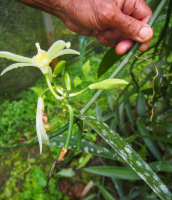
(81, 13)
(128, 23)
(105, 16)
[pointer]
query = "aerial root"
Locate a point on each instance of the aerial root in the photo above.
(54, 166)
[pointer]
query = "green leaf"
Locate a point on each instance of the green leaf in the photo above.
(129, 155)
(66, 172)
(85, 161)
(36, 90)
(114, 123)
(109, 59)
(167, 126)
(121, 112)
(41, 181)
(141, 104)
(108, 116)
(164, 166)
(150, 143)
(163, 139)
(129, 113)
(125, 173)
(105, 193)
(91, 197)
(98, 112)
(87, 147)
(121, 118)
(118, 186)
(108, 84)
(86, 67)
(77, 81)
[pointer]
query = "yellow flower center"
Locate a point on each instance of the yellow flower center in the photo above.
(41, 60)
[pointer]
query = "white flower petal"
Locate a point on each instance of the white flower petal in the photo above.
(66, 51)
(44, 135)
(13, 66)
(15, 57)
(68, 44)
(38, 127)
(55, 48)
(40, 103)
(41, 132)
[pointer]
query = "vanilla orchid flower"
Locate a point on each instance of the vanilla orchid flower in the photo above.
(41, 60)
(41, 132)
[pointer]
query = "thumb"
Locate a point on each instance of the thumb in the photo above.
(126, 25)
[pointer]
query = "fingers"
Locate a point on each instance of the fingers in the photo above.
(128, 26)
(124, 46)
(102, 40)
(127, 44)
(142, 13)
(78, 29)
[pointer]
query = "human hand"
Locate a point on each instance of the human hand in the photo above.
(107, 20)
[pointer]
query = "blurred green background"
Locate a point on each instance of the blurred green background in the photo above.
(23, 172)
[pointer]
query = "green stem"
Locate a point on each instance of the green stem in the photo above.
(78, 93)
(51, 87)
(46, 90)
(80, 128)
(58, 88)
(71, 120)
(126, 59)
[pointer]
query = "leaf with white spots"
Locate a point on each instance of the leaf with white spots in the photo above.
(129, 155)
(87, 147)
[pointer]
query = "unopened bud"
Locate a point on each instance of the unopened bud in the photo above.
(108, 84)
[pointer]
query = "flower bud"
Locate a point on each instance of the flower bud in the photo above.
(108, 84)
(67, 81)
(59, 68)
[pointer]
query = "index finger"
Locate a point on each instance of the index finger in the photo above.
(142, 13)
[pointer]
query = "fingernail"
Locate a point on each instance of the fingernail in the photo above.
(144, 32)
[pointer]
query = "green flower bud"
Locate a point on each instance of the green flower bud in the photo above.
(108, 84)
(67, 81)
(59, 68)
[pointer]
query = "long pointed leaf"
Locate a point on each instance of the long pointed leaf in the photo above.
(129, 155)
(105, 193)
(129, 113)
(109, 59)
(115, 172)
(150, 143)
(87, 147)
(164, 166)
